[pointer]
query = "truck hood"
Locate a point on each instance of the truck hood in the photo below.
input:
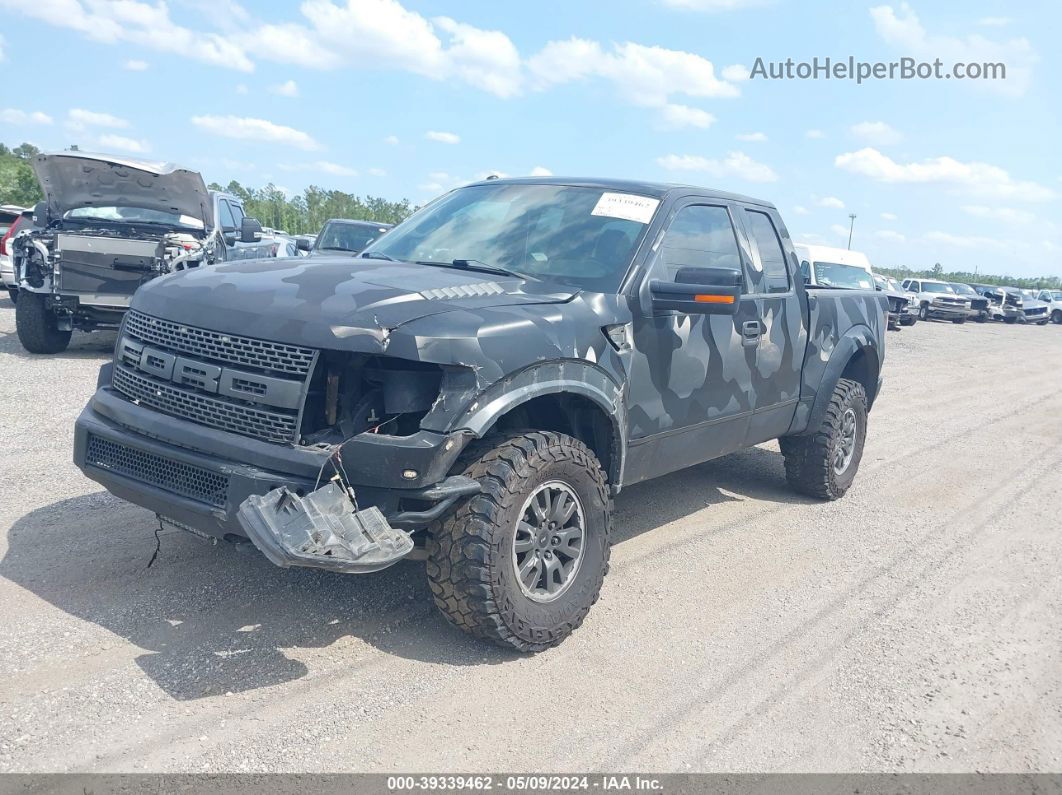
(71, 180)
(330, 302)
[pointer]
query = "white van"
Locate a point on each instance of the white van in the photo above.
(825, 266)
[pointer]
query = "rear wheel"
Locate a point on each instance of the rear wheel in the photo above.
(959, 320)
(1056, 316)
(36, 325)
(521, 563)
(824, 464)
(1011, 320)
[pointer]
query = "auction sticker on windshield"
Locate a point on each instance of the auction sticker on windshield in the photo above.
(626, 206)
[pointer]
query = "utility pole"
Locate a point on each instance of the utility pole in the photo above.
(851, 228)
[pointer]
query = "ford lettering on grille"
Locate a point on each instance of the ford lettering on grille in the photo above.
(265, 405)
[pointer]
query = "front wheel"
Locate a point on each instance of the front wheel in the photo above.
(1056, 316)
(923, 312)
(824, 463)
(1011, 320)
(36, 325)
(521, 563)
(959, 320)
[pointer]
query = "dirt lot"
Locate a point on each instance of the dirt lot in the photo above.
(914, 625)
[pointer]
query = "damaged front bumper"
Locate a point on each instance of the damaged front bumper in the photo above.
(195, 477)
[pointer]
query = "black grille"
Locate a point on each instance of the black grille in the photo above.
(227, 415)
(173, 476)
(213, 345)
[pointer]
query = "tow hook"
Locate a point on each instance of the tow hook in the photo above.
(322, 530)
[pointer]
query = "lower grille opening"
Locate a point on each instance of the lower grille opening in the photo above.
(184, 479)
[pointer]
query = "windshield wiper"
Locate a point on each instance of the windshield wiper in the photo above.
(374, 255)
(476, 265)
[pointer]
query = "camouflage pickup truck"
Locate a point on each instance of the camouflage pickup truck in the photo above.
(475, 388)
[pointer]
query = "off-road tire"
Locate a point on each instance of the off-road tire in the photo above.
(809, 459)
(908, 320)
(958, 320)
(470, 566)
(36, 325)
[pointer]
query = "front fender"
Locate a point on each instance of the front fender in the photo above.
(822, 374)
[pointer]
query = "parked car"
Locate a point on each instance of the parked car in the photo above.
(1033, 309)
(10, 218)
(343, 236)
(1053, 299)
(899, 303)
(108, 225)
(478, 388)
(1002, 305)
(825, 266)
(978, 304)
(937, 299)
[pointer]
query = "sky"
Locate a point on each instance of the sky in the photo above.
(409, 98)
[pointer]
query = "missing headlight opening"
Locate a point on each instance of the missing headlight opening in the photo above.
(357, 393)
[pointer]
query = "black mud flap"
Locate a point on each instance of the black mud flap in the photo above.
(321, 530)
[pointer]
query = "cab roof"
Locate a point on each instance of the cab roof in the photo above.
(656, 190)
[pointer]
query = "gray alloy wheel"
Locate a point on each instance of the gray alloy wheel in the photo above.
(548, 542)
(846, 443)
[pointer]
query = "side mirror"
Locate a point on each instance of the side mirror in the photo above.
(250, 230)
(699, 291)
(302, 244)
(40, 214)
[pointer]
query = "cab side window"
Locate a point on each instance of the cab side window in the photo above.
(772, 256)
(237, 214)
(700, 236)
(228, 223)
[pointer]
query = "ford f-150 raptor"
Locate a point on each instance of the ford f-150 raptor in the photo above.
(478, 385)
(108, 225)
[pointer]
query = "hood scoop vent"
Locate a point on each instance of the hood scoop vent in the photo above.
(472, 290)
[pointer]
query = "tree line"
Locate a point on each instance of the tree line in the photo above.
(306, 212)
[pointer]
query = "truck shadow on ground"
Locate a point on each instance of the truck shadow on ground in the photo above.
(82, 346)
(216, 619)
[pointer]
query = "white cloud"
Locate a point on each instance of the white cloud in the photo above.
(1007, 215)
(135, 65)
(442, 137)
(136, 22)
(735, 164)
(714, 6)
(541, 171)
(755, 137)
(814, 134)
(3, 42)
(735, 73)
(241, 88)
(839, 230)
(994, 22)
(486, 59)
(255, 130)
(964, 241)
(980, 179)
(122, 143)
(334, 168)
(876, 132)
(903, 30)
(376, 172)
(800, 210)
(831, 202)
(646, 76)
(677, 117)
(889, 234)
(79, 119)
(391, 140)
(889, 217)
(23, 117)
(289, 88)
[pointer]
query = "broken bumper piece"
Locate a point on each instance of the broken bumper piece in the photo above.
(322, 530)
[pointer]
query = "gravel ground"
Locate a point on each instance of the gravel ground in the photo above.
(913, 626)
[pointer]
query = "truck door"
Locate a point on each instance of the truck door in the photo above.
(690, 378)
(779, 353)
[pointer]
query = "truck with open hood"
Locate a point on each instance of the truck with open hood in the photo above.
(475, 388)
(106, 226)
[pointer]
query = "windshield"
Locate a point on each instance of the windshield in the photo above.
(347, 237)
(573, 235)
(850, 277)
(1054, 295)
(936, 287)
(963, 289)
(134, 215)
